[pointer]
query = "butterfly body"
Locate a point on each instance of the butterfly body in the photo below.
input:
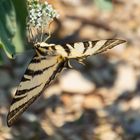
(48, 62)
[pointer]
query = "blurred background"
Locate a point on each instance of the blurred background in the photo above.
(98, 101)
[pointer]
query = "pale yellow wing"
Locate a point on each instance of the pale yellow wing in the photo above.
(39, 74)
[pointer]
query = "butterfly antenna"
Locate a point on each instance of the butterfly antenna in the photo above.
(49, 34)
(42, 35)
(37, 35)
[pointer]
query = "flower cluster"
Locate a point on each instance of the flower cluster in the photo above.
(40, 14)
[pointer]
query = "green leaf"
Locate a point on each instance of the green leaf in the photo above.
(7, 27)
(104, 4)
(1, 58)
(12, 33)
(20, 36)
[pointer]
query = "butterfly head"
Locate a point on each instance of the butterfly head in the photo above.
(43, 48)
(40, 45)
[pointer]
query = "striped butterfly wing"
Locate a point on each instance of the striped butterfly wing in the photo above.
(39, 74)
(85, 49)
(42, 70)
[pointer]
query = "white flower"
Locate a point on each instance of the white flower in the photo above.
(40, 14)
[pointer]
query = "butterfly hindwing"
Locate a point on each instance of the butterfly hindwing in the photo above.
(40, 72)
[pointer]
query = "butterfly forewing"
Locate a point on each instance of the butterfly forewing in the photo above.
(84, 49)
(40, 72)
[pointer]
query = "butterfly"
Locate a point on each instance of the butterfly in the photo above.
(48, 61)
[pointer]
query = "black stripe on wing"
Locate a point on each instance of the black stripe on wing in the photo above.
(14, 114)
(94, 43)
(109, 44)
(37, 60)
(86, 45)
(21, 92)
(67, 49)
(24, 79)
(30, 72)
(41, 51)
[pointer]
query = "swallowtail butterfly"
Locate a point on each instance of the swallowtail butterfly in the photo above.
(49, 60)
